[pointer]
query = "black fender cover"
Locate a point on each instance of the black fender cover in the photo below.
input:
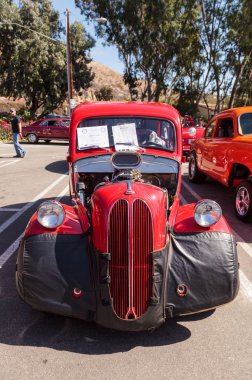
(207, 264)
(49, 267)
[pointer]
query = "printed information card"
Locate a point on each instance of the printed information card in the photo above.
(93, 136)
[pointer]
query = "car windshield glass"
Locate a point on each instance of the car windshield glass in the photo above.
(126, 133)
(245, 125)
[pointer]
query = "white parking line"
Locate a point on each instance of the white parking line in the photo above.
(30, 204)
(10, 163)
(246, 285)
(13, 247)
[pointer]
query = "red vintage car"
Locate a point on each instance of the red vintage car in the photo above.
(190, 132)
(126, 254)
(225, 154)
(47, 129)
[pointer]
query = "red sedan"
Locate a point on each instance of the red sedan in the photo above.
(47, 130)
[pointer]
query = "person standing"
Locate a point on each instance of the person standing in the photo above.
(16, 133)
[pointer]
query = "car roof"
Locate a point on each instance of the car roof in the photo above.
(92, 109)
(237, 110)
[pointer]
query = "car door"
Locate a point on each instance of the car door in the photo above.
(223, 137)
(206, 148)
(59, 129)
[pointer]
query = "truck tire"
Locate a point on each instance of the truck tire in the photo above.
(243, 201)
(195, 176)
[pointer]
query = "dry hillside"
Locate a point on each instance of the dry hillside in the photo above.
(104, 76)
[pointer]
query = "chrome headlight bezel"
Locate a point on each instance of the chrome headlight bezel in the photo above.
(207, 213)
(51, 214)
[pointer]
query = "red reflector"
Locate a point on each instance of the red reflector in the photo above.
(182, 290)
(77, 293)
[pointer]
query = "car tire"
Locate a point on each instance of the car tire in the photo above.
(195, 175)
(32, 138)
(243, 201)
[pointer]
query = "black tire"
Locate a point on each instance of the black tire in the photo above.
(195, 176)
(243, 201)
(32, 138)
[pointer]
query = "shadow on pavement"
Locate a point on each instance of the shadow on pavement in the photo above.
(60, 167)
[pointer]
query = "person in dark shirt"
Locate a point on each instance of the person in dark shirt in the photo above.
(16, 133)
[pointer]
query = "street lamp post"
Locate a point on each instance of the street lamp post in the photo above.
(69, 64)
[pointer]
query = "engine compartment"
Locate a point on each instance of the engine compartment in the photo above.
(89, 182)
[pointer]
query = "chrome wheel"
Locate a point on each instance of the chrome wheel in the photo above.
(32, 138)
(242, 201)
(195, 175)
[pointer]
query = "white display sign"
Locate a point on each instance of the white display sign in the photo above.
(93, 136)
(125, 134)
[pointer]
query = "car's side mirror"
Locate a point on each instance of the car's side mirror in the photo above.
(183, 159)
(68, 158)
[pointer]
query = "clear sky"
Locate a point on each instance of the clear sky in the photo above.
(105, 55)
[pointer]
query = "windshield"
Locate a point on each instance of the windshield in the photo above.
(245, 125)
(126, 133)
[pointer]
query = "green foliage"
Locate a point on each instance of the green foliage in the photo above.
(155, 39)
(5, 131)
(194, 47)
(105, 93)
(33, 64)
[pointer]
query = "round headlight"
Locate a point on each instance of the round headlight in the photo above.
(207, 213)
(192, 131)
(51, 214)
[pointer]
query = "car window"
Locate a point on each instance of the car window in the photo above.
(245, 124)
(209, 129)
(142, 131)
(53, 122)
(225, 128)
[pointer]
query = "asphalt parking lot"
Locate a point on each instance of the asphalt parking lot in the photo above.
(36, 345)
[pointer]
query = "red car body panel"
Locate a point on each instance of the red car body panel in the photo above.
(104, 199)
(185, 222)
(188, 138)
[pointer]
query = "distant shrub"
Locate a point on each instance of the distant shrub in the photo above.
(5, 131)
(105, 93)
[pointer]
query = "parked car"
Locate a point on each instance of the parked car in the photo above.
(190, 132)
(225, 154)
(47, 130)
(126, 254)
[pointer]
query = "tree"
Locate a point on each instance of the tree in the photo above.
(240, 33)
(154, 39)
(33, 66)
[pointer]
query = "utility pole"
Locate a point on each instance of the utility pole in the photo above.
(69, 63)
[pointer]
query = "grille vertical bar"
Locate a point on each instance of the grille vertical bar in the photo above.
(142, 260)
(118, 244)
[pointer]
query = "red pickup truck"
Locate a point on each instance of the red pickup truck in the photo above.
(225, 154)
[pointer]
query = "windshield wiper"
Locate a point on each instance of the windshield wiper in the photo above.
(130, 145)
(94, 147)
